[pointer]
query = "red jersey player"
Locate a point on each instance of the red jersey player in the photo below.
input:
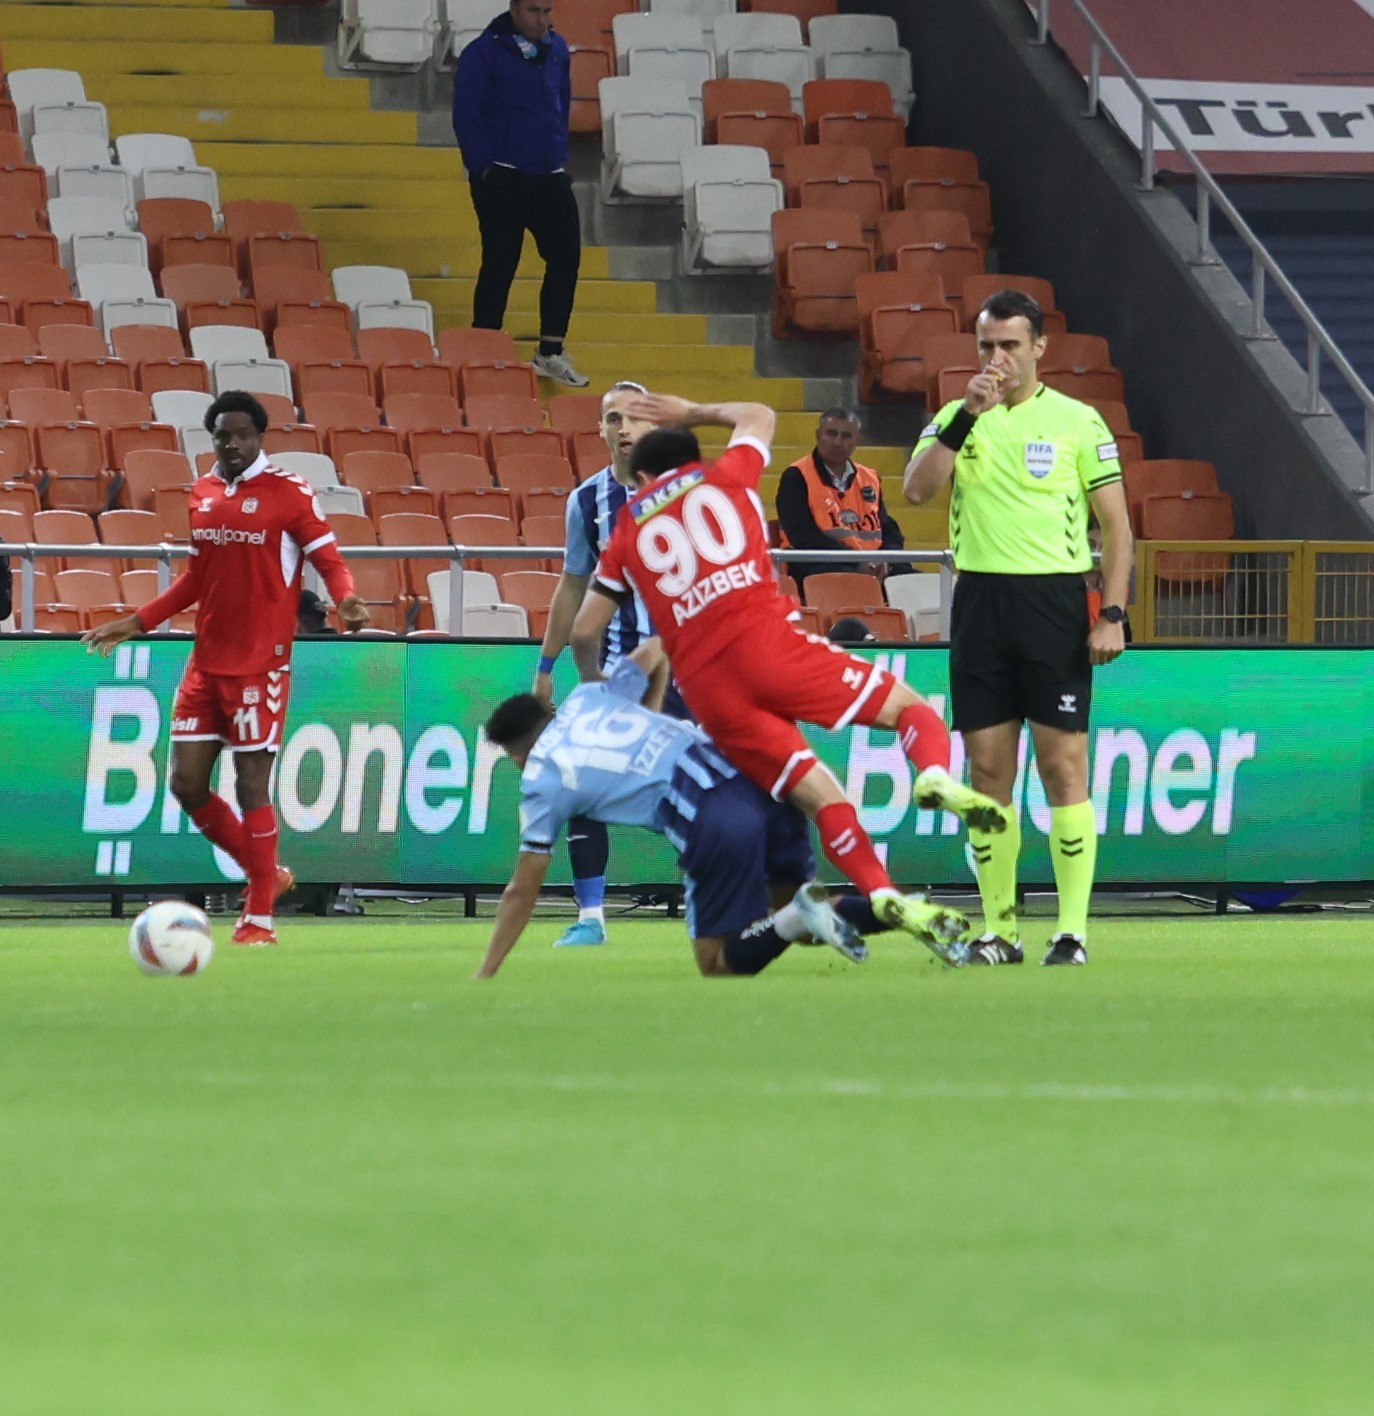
(252, 526)
(693, 543)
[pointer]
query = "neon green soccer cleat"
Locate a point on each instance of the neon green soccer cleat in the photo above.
(936, 790)
(939, 928)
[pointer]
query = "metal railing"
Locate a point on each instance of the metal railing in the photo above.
(1209, 194)
(165, 553)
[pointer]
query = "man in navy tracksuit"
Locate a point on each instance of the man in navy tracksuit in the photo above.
(511, 100)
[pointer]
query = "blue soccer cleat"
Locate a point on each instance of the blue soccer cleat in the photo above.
(581, 933)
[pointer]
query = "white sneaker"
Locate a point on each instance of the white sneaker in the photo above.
(559, 368)
(936, 790)
(825, 926)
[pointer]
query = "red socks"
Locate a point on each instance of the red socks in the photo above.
(221, 827)
(923, 736)
(260, 859)
(848, 848)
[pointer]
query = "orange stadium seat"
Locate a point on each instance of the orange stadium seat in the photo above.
(84, 376)
(347, 376)
(311, 343)
(746, 97)
(58, 619)
(499, 378)
(148, 469)
(274, 286)
(1075, 352)
(161, 217)
(137, 587)
(544, 501)
(40, 310)
(290, 437)
(134, 343)
(978, 288)
(412, 412)
(171, 506)
(1189, 516)
(362, 437)
(64, 342)
(452, 471)
(327, 411)
(588, 64)
(887, 623)
(127, 438)
(155, 375)
(414, 529)
(819, 255)
(186, 283)
(31, 245)
(481, 501)
(831, 589)
(483, 530)
(25, 183)
(1086, 384)
(57, 527)
(123, 527)
(43, 405)
(824, 98)
(545, 531)
(522, 472)
(277, 406)
(351, 529)
(530, 589)
(1114, 414)
(75, 459)
(948, 351)
(575, 412)
(833, 178)
(295, 249)
(417, 376)
(422, 442)
(109, 406)
(245, 217)
(1166, 477)
(387, 344)
(588, 452)
(16, 526)
(893, 336)
(242, 313)
(200, 248)
(28, 371)
(461, 344)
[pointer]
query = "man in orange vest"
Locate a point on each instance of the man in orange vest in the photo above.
(829, 502)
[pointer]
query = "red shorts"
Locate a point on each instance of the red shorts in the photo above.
(245, 713)
(751, 696)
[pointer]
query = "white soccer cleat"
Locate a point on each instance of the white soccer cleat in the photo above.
(825, 926)
(936, 790)
(938, 927)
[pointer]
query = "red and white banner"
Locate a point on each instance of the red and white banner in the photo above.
(1252, 86)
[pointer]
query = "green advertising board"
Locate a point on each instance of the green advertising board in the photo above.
(1223, 765)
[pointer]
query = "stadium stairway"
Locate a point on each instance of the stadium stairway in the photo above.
(385, 186)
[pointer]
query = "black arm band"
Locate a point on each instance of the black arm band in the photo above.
(959, 427)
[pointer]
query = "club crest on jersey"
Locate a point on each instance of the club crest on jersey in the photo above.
(653, 502)
(252, 695)
(1039, 459)
(206, 503)
(250, 505)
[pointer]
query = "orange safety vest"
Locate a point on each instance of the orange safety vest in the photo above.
(850, 520)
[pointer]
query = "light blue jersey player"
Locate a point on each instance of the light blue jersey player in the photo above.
(607, 756)
(590, 517)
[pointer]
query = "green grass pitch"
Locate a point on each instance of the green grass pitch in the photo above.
(338, 1177)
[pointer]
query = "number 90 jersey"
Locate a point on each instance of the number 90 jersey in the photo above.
(694, 545)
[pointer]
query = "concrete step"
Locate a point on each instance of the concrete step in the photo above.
(222, 90)
(332, 159)
(155, 24)
(452, 299)
(358, 193)
(257, 58)
(248, 124)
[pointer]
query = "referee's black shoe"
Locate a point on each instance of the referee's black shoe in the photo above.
(1066, 949)
(993, 949)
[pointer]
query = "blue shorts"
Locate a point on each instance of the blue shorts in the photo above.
(740, 842)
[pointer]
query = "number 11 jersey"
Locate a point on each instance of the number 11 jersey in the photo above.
(694, 545)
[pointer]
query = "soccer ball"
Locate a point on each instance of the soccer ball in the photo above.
(171, 937)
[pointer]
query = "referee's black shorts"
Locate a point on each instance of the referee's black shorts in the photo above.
(1019, 650)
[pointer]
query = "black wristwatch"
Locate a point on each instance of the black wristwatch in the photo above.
(1113, 614)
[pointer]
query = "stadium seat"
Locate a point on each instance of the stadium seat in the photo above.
(147, 470)
(103, 372)
(484, 530)
(574, 412)
(747, 99)
(392, 345)
(530, 589)
(939, 230)
(527, 472)
(25, 185)
(54, 149)
(856, 50)
(761, 46)
(291, 437)
(291, 295)
(847, 98)
(479, 588)
(29, 246)
(588, 64)
(588, 453)
(182, 408)
(35, 406)
(421, 442)
(544, 531)
(155, 375)
(126, 438)
(164, 165)
(19, 342)
(1129, 444)
(942, 179)
(162, 217)
(1086, 384)
(372, 472)
(1189, 516)
(664, 48)
(313, 467)
(102, 181)
(446, 473)
(58, 619)
(460, 344)
(70, 527)
(387, 34)
(481, 501)
(500, 378)
(826, 590)
(410, 412)
(341, 500)
(245, 217)
(918, 597)
(1075, 352)
(137, 587)
(188, 284)
(495, 622)
(419, 376)
(349, 376)
(645, 127)
(361, 437)
(977, 289)
(381, 295)
(136, 343)
(1166, 477)
(129, 527)
(59, 342)
(729, 197)
(415, 529)
(28, 371)
(75, 457)
(16, 526)
(893, 332)
(888, 625)
(108, 406)
(310, 343)
(818, 257)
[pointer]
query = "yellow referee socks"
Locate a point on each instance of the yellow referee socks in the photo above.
(1073, 851)
(995, 858)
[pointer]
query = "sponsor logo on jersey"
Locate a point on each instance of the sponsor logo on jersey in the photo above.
(228, 535)
(651, 503)
(185, 725)
(1039, 459)
(712, 587)
(1106, 452)
(250, 505)
(252, 695)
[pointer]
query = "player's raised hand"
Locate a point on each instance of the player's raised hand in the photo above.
(661, 408)
(987, 389)
(104, 637)
(354, 614)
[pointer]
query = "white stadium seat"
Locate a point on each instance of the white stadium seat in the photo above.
(480, 591)
(729, 197)
(195, 441)
(86, 117)
(495, 622)
(69, 216)
(333, 499)
(120, 311)
(109, 248)
(98, 283)
(314, 467)
(54, 150)
(663, 47)
(918, 597)
(461, 21)
(832, 32)
(252, 376)
(888, 66)
(646, 127)
(387, 34)
(706, 12)
(764, 47)
(164, 165)
(29, 87)
(99, 181)
(379, 296)
(213, 342)
(181, 407)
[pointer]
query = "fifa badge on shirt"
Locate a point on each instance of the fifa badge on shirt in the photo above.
(1039, 459)
(251, 505)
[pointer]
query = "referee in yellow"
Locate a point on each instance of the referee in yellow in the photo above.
(1027, 464)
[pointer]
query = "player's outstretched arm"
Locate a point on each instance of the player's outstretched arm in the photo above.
(650, 657)
(104, 637)
(518, 900)
(589, 629)
(568, 595)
